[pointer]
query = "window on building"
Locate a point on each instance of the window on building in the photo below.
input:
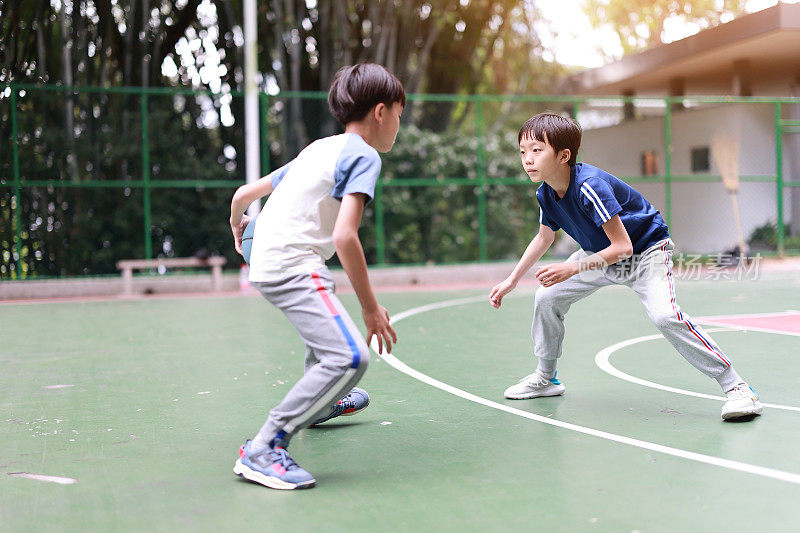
(649, 163)
(701, 161)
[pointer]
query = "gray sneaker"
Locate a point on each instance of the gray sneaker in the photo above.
(534, 386)
(742, 401)
(271, 467)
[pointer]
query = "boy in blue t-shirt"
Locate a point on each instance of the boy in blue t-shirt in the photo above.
(624, 241)
(314, 209)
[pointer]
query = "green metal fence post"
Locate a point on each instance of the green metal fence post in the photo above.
(668, 160)
(779, 176)
(482, 235)
(148, 241)
(380, 229)
(16, 246)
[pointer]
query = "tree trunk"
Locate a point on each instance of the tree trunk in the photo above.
(146, 43)
(130, 24)
(326, 54)
(78, 43)
(69, 103)
(344, 25)
(327, 66)
(296, 58)
(280, 74)
(41, 51)
(385, 35)
(239, 51)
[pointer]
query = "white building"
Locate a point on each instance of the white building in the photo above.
(757, 55)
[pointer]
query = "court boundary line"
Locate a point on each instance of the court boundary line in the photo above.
(399, 365)
(602, 360)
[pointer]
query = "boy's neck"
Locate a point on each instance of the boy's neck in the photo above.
(363, 129)
(559, 180)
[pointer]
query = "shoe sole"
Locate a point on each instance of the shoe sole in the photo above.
(355, 412)
(272, 482)
(750, 411)
(337, 416)
(537, 394)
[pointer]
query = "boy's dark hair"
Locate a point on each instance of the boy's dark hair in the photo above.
(557, 131)
(358, 88)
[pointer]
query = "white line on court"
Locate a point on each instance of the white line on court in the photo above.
(684, 454)
(603, 356)
(41, 477)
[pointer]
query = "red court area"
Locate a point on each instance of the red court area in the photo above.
(786, 323)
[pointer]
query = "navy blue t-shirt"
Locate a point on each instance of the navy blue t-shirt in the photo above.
(592, 199)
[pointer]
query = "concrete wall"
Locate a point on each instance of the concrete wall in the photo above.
(702, 216)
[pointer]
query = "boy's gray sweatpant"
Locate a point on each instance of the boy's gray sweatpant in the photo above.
(336, 353)
(649, 274)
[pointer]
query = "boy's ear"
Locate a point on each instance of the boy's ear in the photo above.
(564, 155)
(378, 111)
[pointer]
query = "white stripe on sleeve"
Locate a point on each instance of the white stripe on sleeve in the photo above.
(587, 190)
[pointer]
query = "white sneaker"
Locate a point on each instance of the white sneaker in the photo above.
(534, 386)
(742, 401)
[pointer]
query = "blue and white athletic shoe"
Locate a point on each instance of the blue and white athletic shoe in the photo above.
(535, 386)
(356, 401)
(271, 467)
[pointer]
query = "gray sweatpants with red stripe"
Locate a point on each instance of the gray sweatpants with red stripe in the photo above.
(649, 274)
(336, 353)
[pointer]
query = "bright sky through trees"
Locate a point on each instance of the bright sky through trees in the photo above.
(574, 42)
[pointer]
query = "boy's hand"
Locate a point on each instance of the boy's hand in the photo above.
(377, 322)
(238, 230)
(551, 274)
(500, 290)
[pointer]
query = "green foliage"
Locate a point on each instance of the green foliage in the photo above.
(83, 224)
(88, 146)
(766, 236)
(439, 222)
(86, 228)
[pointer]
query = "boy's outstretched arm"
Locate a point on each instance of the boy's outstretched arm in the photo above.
(535, 250)
(619, 249)
(351, 255)
(242, 198)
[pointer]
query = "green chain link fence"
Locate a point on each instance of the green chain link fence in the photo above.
(89, 176)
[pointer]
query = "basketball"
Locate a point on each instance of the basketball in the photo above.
(247, 239)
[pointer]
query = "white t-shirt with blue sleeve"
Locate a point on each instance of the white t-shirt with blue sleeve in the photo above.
(294, 232)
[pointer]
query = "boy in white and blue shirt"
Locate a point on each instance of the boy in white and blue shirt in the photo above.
(314, 209)
(624, 241)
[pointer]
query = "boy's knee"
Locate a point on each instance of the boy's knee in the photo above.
(663, 319)
(355, 355)
(545, 296)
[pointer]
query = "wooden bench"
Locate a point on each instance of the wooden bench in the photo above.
(129, 265)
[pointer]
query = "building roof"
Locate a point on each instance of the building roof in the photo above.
(768, 41)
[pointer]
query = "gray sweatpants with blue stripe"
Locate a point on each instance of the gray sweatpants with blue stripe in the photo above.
(336, 354)
(649, 274)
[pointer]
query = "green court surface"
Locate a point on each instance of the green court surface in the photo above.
(145, 403)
